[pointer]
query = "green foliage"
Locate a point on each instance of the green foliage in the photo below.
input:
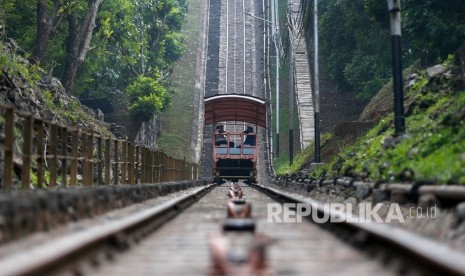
(281, 163)
(435, 28)
(131, 39)
(137, 39)
(355, 38)
(20, 21)
(432, 150)
(147, 97)
(71, 113)
(353, 48)
(174, 46)
(365, 73)
(14, 65)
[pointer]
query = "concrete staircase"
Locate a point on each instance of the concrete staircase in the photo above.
(302, 81)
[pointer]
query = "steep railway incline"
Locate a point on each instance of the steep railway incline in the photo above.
(177, 234)
(234, 58)
(302, 82)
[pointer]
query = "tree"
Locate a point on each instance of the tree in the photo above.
(135, 38)
(47, 22)
(134, 46)
(78, 41)
(355, 44)
(434, 29)
(19, 20)
(147, 97)
(353, 48)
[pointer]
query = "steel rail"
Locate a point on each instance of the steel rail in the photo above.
(54, 255)
(429, 253)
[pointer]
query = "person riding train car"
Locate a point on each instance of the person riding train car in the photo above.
(250, 137)
(221, 137)
(235, 112)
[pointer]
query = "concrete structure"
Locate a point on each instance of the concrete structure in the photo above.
(303, 88)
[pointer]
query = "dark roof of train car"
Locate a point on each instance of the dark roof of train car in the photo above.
(235, 107)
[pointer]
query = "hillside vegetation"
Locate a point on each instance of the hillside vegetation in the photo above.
(433, 148)
(120, 50)
(355, 52)
(28, 88)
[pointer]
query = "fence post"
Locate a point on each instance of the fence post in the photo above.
(131, 163)
(137, 167)
(116, 163)
(166, 164)
(9, 147)
(147, 165)
(53, 154)
(87, 171)
(170, 169)
(64, 156)
(152, 166)
(27, 150)
(99, 161)
(40, 154)
(184, 169)
(124, 163)
(107, 161)
(178, 169)
(74, 158)
(143, 169)
(162, 167)
(157, 166)
(84, 145)
(90, 159)
(175, 168)
(192, 165)
(166, 168)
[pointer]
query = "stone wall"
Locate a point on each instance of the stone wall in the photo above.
(148, 133)
(26, 212)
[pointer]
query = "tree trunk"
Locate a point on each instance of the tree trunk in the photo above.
(78, 42)
(45, 26)
(156, 34)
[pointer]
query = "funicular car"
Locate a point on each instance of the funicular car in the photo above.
(236, 119)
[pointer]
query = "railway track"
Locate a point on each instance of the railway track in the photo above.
(238, 57)
(173, 239)
(178, 235)
(66, 251)
(234, 62)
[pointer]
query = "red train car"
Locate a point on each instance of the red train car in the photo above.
(236, 119)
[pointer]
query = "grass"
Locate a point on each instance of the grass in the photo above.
(282, 166)
(13, 65)
(72, 113)
(284, 122)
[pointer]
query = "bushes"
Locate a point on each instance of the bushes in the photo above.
(147, 97)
